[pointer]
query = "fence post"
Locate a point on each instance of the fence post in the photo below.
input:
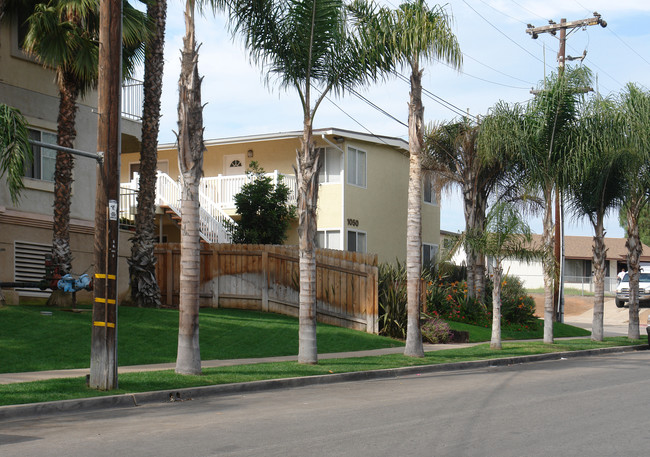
(265, 280)
(170, 277)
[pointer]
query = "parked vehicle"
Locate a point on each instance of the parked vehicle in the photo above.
(623, 289)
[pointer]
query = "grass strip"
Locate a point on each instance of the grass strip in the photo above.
(64, 389)
(32, 341)
(478, 334)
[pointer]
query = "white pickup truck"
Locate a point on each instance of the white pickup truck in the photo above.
(623, 289)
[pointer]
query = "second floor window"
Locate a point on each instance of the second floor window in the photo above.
(44, 163)
(330, 170)
(356, 167)
(428, 189)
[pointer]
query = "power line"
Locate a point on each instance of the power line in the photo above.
(504, 34)
(483, 79)
(373, 105)
(494, 69)
(441, 101)
(530, 11)
(501, 12)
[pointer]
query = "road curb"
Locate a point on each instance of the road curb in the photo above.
(34, 410)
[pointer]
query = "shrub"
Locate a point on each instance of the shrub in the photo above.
(392, 300)
(435, 330)
(264, 210)
(517, 307)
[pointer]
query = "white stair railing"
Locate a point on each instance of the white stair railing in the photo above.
(211, 218)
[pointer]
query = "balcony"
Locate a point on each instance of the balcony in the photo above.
(132, 99)
(222, 189)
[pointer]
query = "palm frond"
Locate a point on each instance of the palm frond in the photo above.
(15, 151)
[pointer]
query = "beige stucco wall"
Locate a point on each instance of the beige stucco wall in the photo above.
(27, 86)
(381, 207)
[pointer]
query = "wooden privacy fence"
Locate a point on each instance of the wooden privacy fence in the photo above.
(266, 278)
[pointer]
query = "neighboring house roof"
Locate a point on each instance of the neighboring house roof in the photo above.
(581, 247)
(395, 142)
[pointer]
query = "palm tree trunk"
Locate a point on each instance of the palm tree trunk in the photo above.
(479, 267)
(190, 159)
(414, 346)
(66, 134)
(599, 279)
(474, 206)
(495, 341)
(469, 199)
(308, 165)
(548, 264)
(634, 250)
(142, 263)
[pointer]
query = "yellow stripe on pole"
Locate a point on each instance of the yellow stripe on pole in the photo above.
(103, 324)
(103, 276)
(110, 301)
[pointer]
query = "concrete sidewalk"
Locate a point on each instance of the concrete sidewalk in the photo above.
(10, 378)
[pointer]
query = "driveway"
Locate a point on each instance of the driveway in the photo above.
(579, 312)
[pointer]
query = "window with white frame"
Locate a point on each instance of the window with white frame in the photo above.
(328, 239)
(356, 241)
(428, 188)
(44, 162)
(429, 253)
(356, 167)
(330, 170)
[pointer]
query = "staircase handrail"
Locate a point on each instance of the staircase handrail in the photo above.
(212, 219)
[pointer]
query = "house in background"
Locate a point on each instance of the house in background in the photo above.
(578, 268)
(362, 204)
(26, 228)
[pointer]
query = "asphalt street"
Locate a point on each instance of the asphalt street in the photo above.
(591, 406)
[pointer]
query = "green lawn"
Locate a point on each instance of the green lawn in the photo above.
(34, 342)
(478, 334)
(61, 389)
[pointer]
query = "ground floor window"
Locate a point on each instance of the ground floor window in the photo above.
(429, 253)
(328, 239)
(356, 241)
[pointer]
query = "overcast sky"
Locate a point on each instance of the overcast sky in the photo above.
(501, 62)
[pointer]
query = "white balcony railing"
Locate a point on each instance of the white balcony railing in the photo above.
(222, 189)
(132, 99)
(215, 195)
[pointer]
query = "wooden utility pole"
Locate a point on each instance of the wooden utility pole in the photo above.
(553, 28)
(103, 357)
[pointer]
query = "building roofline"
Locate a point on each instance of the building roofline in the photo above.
(297, 134)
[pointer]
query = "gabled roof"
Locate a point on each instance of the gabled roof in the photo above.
(581, 247)
(394, 142)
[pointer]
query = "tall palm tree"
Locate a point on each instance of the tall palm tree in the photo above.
(599, 168)
(63, 35)
(15, 150)
(142, 272)
(635, 106)
(506, 236)
(409, 36)
(451, 150)
(190, 161)
(309, 46)
(535, 138)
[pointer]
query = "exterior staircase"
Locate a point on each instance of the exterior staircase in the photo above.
(213, 219)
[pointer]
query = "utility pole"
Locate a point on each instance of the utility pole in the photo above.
(103, 356)
(553, 28)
